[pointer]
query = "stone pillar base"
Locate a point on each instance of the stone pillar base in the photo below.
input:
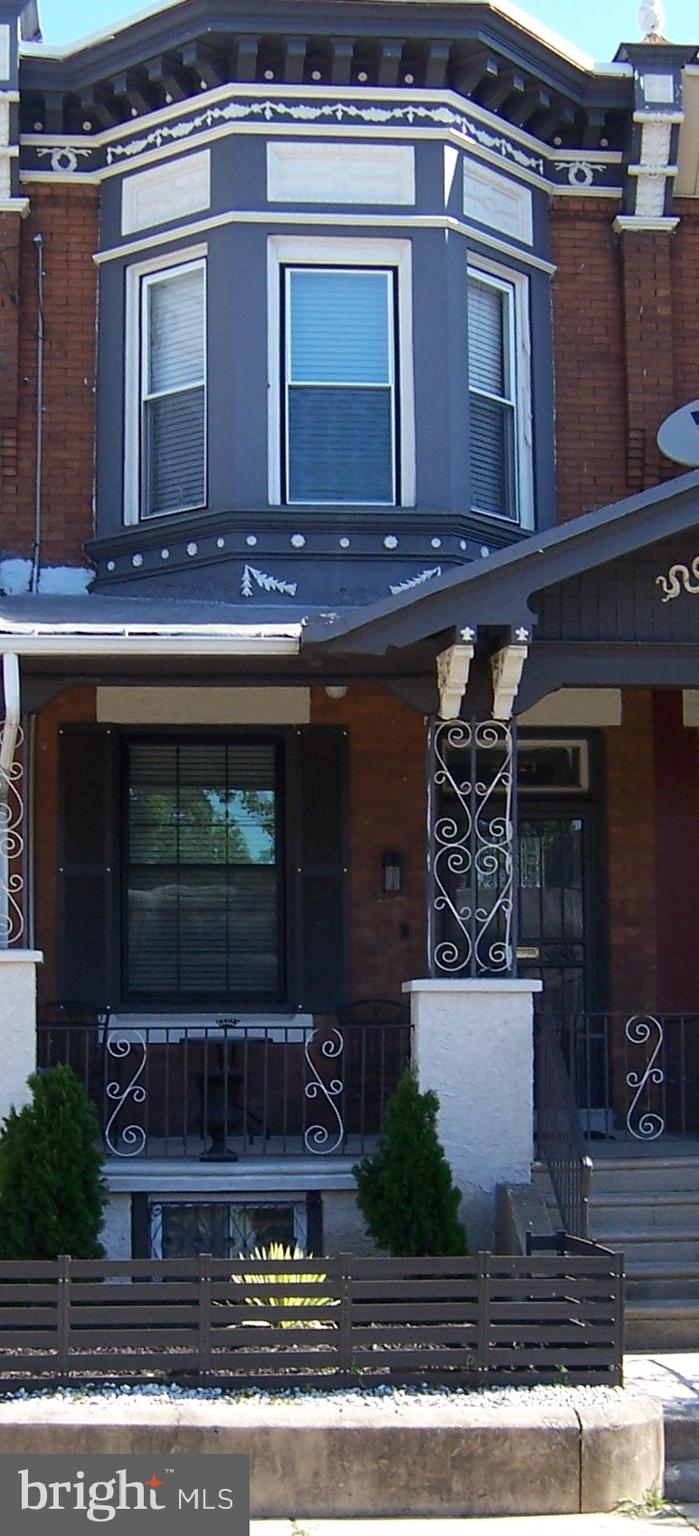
(473, 1043)
(17, 1024)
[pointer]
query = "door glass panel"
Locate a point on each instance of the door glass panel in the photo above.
(552, 910)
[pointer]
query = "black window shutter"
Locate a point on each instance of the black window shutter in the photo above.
(87, 872)
(321, 922)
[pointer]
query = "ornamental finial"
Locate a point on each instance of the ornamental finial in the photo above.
(651, 19)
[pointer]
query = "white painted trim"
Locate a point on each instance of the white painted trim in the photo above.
(334, 173)
(351, 221)
(21, 957)
(515, 200)
(191, 174)
(575, 708)
(516, 284)
(18, 205)
(298, 251)
(637, 225)
(132, 370)
(285, 1175)
(472, 984)
(122, 644)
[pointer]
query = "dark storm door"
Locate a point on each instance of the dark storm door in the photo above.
(559, 915)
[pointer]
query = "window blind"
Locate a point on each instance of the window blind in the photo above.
(174, 391)
(492, 406)
(203, 883)
(340, 386)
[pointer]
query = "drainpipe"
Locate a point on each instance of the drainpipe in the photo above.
(39, 457)
(8, 747)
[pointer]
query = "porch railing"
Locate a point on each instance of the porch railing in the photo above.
(222, 1091)
(559, 1136)
(635, 1076)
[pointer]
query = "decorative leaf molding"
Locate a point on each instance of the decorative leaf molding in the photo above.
(252, 577)
(414, 581)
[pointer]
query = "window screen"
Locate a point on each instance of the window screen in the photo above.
(340, 385)
(203, 883)
(492, 397)
(183, 1229)
(173, 458)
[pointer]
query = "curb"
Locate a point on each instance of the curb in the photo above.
(376, 1460)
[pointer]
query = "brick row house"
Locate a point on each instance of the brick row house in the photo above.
(350, 649)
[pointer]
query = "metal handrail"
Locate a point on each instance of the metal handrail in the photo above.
(560, 1142)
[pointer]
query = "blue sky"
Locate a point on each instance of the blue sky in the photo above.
(597, 26)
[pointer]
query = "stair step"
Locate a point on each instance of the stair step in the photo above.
(669, 1323)
(682, 1481)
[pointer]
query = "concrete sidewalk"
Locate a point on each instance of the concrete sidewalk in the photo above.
(661, 1524)
(672, 1380)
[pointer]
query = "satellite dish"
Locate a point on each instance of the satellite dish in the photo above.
(678, 437)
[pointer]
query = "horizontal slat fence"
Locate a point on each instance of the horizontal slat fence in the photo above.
(333, 1322)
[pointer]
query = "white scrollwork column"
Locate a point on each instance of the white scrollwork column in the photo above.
(472, 848)
(17, 966)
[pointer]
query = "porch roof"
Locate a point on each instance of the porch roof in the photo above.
(496, 591)
(95, 626)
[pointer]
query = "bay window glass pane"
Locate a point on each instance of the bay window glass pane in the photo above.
(486, 338)
(340, 445)
(492, 456)
(339, 327)
(203, 891)
(175, 452)
(176, 330)
(340, 396)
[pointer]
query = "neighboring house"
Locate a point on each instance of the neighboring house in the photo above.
(384, 297)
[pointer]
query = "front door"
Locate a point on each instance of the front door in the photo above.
(558, 912)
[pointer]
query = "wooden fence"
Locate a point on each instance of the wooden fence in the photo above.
(336, 1322)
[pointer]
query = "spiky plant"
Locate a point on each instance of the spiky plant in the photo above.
(278, 1253)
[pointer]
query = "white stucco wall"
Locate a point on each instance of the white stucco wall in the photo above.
(17, 1024)
(343, 1224)
(115, 1236)
(474, 1045)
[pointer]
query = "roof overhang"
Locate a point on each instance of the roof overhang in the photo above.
(497, 591)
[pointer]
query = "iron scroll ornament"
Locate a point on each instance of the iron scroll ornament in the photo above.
(473, 848)
(318, 1138)
(647, 1125)
(11, 850)
(130, 1139)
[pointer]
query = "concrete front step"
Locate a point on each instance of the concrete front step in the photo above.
(668, 1324)
(682, 1482)
(661, 1280)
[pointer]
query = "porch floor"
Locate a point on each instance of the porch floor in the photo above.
(603, 1148)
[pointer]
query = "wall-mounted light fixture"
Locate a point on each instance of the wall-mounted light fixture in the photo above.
(336, 691)
(392, 872)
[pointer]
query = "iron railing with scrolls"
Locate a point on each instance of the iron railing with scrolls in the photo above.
(559, 1138)
(226, 1090)
(635, 1076)
(329, 1322)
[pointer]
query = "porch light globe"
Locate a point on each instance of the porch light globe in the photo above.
(337, 692)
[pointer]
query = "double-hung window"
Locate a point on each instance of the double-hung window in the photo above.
(340, 392)
(499, 386)
(204, 870)
(171, 474)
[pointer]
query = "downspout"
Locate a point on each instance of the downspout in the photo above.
(8, 748)
(39, 458)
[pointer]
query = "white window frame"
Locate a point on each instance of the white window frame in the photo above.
(296, 1202)
(300, 251)
(515, 287)
(390, 385)
(139, 278)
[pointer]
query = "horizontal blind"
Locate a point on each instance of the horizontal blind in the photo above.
(340, 401)
(492, 417)
(174, 405)
(204, 869)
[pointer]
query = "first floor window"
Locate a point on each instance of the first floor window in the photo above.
(182, 1229)
(173, 390)
(204, 870)
(492, 370)
(340, 385)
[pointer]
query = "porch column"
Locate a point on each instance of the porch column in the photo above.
(18, 966)
(472, 1017)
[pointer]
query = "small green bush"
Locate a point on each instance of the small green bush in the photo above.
(405, 1190)
(52, 1194)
